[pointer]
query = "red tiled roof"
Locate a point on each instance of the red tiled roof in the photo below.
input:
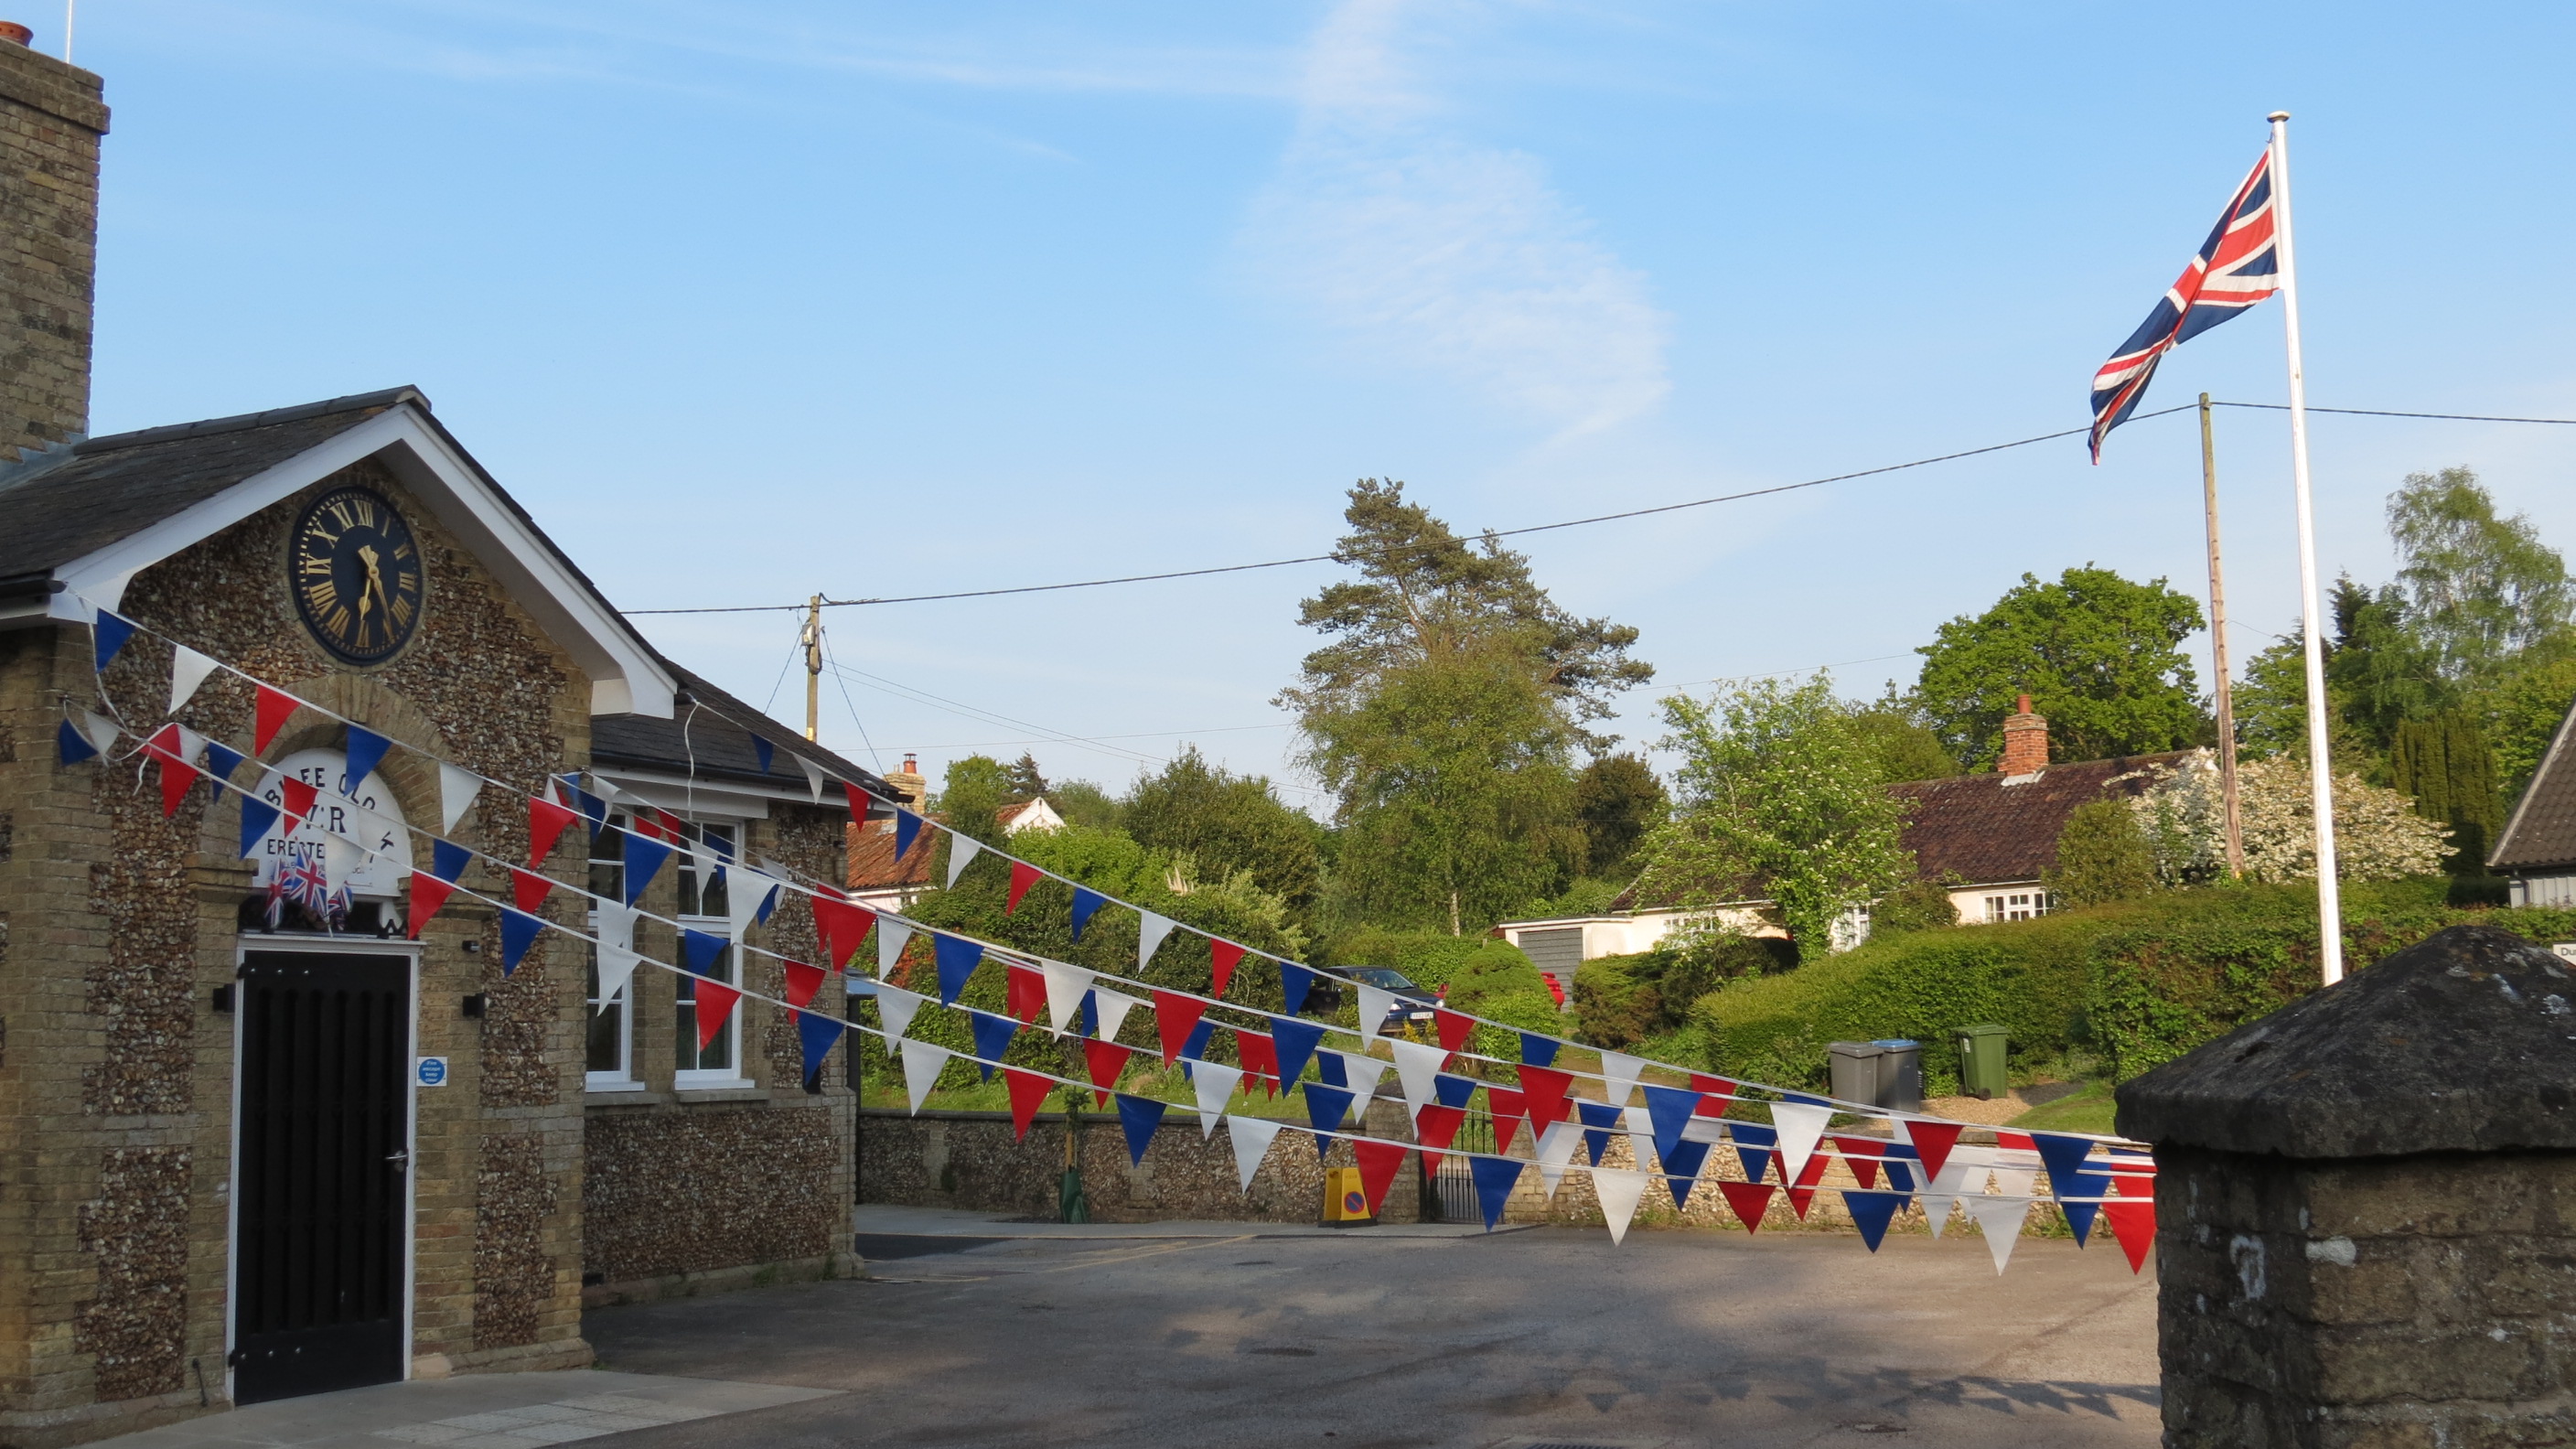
(873, 866)
(1993, 828)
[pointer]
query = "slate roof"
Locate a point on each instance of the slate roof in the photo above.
(70, 502)
(717, 738)
(2542, 828)
(1988, 829)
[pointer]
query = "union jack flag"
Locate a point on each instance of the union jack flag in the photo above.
(300, 879)
(2237, 267)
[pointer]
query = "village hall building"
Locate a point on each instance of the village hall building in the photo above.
(229, 1170)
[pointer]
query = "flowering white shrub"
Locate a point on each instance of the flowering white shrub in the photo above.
(2378, 835)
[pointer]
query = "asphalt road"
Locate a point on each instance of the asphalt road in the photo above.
(1549, 1336)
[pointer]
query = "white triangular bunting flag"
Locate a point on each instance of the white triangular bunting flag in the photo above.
(922, 1063)
(1065, 985)
(2000, 1219)
(1555, 1149)
(1363, 1074)
(1618, 1188)
(962, 850)
(1417, 1066)
(1641, 1135)
(1215, 1086)
(188, 669)
(1710, 1130)
(616, 924)
(2015, 1181)
(616, 964)
(1800, 1127)
(1149, 935)
(99, 730)
(1619, 1072)
(1374, 1005)
(895, 1007)
(456, 791)
(892, 936)
(1113, 1007)
(745, 889)
(813, 777)
(1957, 1170)
(340, 860)
(1252, 1137)
(192, 748)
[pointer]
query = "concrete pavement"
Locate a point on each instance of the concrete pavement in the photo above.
(1547, 1336)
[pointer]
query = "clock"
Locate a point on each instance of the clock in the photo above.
(355, 570)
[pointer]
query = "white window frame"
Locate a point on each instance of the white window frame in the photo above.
(622, 1078)
(732, 1075)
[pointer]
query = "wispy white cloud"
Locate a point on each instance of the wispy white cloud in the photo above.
(1439, 255)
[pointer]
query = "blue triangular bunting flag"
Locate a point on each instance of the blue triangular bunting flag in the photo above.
(257, 817)
(1682, 1164)
(1294, 981)
(518, 932)
(2079, 1215)
(906, 826)
(1195, 1047)
(763, 751)
(769, 903)
(1598, 1119)
(1871, 1212)
(1757, 1157)
(1325, 1109)
(1536, 1050)
(1332, 1071)
(1086, 903)
(992, 1038)
(1087, 1015)
(1900, 1162)
(643, 861)
(820, 1034)
(222, 759)
(1451, 1091)
(108, 634)
(1138, 1117)
(1670, 1109)
(366, 751)
(1296, 1042)
(958, 959)
(1495, 1177)
(2065, 1158)
(447, 861)
(700, 951)
(592, 808)
(74, 746)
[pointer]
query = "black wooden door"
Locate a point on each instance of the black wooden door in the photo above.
(325, 1173)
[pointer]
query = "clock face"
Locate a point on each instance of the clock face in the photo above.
(356, 572)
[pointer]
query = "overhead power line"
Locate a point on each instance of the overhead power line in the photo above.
(1281, 563)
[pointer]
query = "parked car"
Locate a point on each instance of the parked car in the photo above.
(1413, 1003)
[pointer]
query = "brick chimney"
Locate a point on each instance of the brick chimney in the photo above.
(908, 782)
(2025, 742)
(51, 119)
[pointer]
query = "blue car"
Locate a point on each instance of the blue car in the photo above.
(1413, 1003)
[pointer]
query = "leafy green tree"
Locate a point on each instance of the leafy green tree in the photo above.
(2481, 588)
(2100, 656)
(2381, 671)
(1227, 822)
(1081, 802)
(1905, 748)
(2523, 714)
(2102, 856)
(973, 794)
(1778, 800)
(2444, 764)
(1618, 799)
(1921, 904)
(1443, 713)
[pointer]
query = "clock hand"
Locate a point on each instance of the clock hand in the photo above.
(375, 580)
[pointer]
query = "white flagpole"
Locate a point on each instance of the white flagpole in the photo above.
(2320, 767)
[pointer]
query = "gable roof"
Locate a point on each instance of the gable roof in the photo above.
(78, 522)
(2542, 829)
(1989, 829)
(714, 741)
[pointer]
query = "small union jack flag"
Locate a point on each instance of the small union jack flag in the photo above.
(2237, 267)
(300, 879)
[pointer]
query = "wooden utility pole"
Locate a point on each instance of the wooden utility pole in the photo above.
(814, 666)
(2218, 646)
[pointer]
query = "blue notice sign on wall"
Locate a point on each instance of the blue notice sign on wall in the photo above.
(432, 1072)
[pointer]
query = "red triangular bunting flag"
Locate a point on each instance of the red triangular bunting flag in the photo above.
(1454, 1029)
(802, 982)
(2133, 1223)
(176, 778)
(840, 926)
(428, 893)
(2015, 1139)
(547, 821)
(274, 710)
(1543, 1091)
(1509, 1109)
(1028, 1093)
(1802, 1193)
(1259, 1055)
(1222, 958)
(1714, 1086)
(858, 802)
(1023, 876)
(1749, 1200)
(1861, 1155)
(295, 802)
(1175, 1017)
(715, 1003)
(1932, 1143)
(1436, 1128)
(1107, 1060)
(1024, 992)
(528, 890)
(1378, 1161)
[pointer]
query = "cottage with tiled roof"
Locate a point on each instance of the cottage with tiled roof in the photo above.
(2537, 851)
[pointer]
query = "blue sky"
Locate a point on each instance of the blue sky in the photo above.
(751, 300)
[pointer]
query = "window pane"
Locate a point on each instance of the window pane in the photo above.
(606, 1029)
(718, 1055)
(608, 861)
